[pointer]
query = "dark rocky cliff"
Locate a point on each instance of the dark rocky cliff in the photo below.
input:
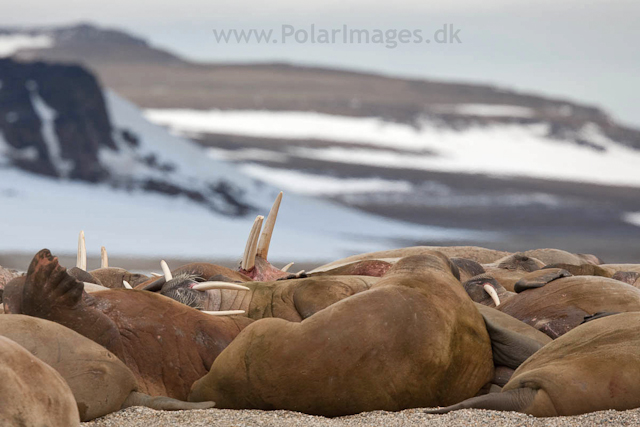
(78, 114)
(54, 121)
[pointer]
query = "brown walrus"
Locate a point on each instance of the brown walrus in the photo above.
(554, 304)
(474, 253)
(292, 300)
(167, 345)
(32, 393)
(99, 381)
(414, 339)
(591, 368)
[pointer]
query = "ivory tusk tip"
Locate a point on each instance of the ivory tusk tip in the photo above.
(493, 294)
(224, 313)
(166, 270)
(206, 286)
(287, 267)
(127, 285)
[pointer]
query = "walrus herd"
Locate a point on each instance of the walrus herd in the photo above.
(544, 332)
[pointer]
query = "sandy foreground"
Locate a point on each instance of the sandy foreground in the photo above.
(138, 417)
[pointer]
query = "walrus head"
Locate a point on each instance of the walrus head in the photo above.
(193, 291)
(485, 290)
(519, 261)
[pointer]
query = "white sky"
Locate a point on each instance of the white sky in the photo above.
(584, 50)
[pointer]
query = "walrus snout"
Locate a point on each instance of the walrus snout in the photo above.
(484, 289)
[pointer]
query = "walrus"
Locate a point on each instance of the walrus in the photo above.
(592, 368)
(253, 267)
(412, 340)
(167, 345)
(99, 381)
(32, 393)
(474, 253)
(293, 300)
(512, 342)
(508, 270)
(558, 256)
(554, 304)
(485, 289)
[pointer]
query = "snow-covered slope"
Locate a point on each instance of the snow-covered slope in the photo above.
(37, 211)
(498, 149)
(12, 43)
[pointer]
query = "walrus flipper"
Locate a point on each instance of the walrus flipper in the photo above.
(517, 400)
(50, 293)
(509, 348)
(539, 278)
(163, 403)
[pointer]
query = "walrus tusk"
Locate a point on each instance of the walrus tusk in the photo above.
(287, 267)
(224, 313)
(92, 287)
(165, 269)
(206, 286)
(81, 260)
(267, 232)
(249, 257)
(104, 258)
(493, 294)
(127, 285)
(156, 275)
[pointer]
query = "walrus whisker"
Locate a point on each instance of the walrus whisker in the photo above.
(104, 258)
(287, 267)
(166, 270)
(493, 294)
(127, 285)
(156, 275)
(81, 260)
(206, 286)
(267, 232)
(223, 313)
(249, 257)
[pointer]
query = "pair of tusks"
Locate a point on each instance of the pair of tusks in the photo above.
(81, 258)
(258, 244)
(492, 293)
(207, 286)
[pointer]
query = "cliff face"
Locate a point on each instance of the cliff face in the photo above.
(55, 121)
(53, 118)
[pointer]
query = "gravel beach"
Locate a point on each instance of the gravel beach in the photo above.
(142, 417)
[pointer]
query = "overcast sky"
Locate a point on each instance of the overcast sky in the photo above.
(584, 50)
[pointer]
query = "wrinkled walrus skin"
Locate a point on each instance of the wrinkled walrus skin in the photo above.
(167, 345)
(591, 368)
(32, 393)
(562, 304)
(414, 339)
(293, 299)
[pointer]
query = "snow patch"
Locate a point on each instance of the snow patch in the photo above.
(486, 110)
(632, 218)
(247, 154)
(151, 225)
(291, 125)
(11, 43)
(47, 117)
(320, 185)
(524, 150)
